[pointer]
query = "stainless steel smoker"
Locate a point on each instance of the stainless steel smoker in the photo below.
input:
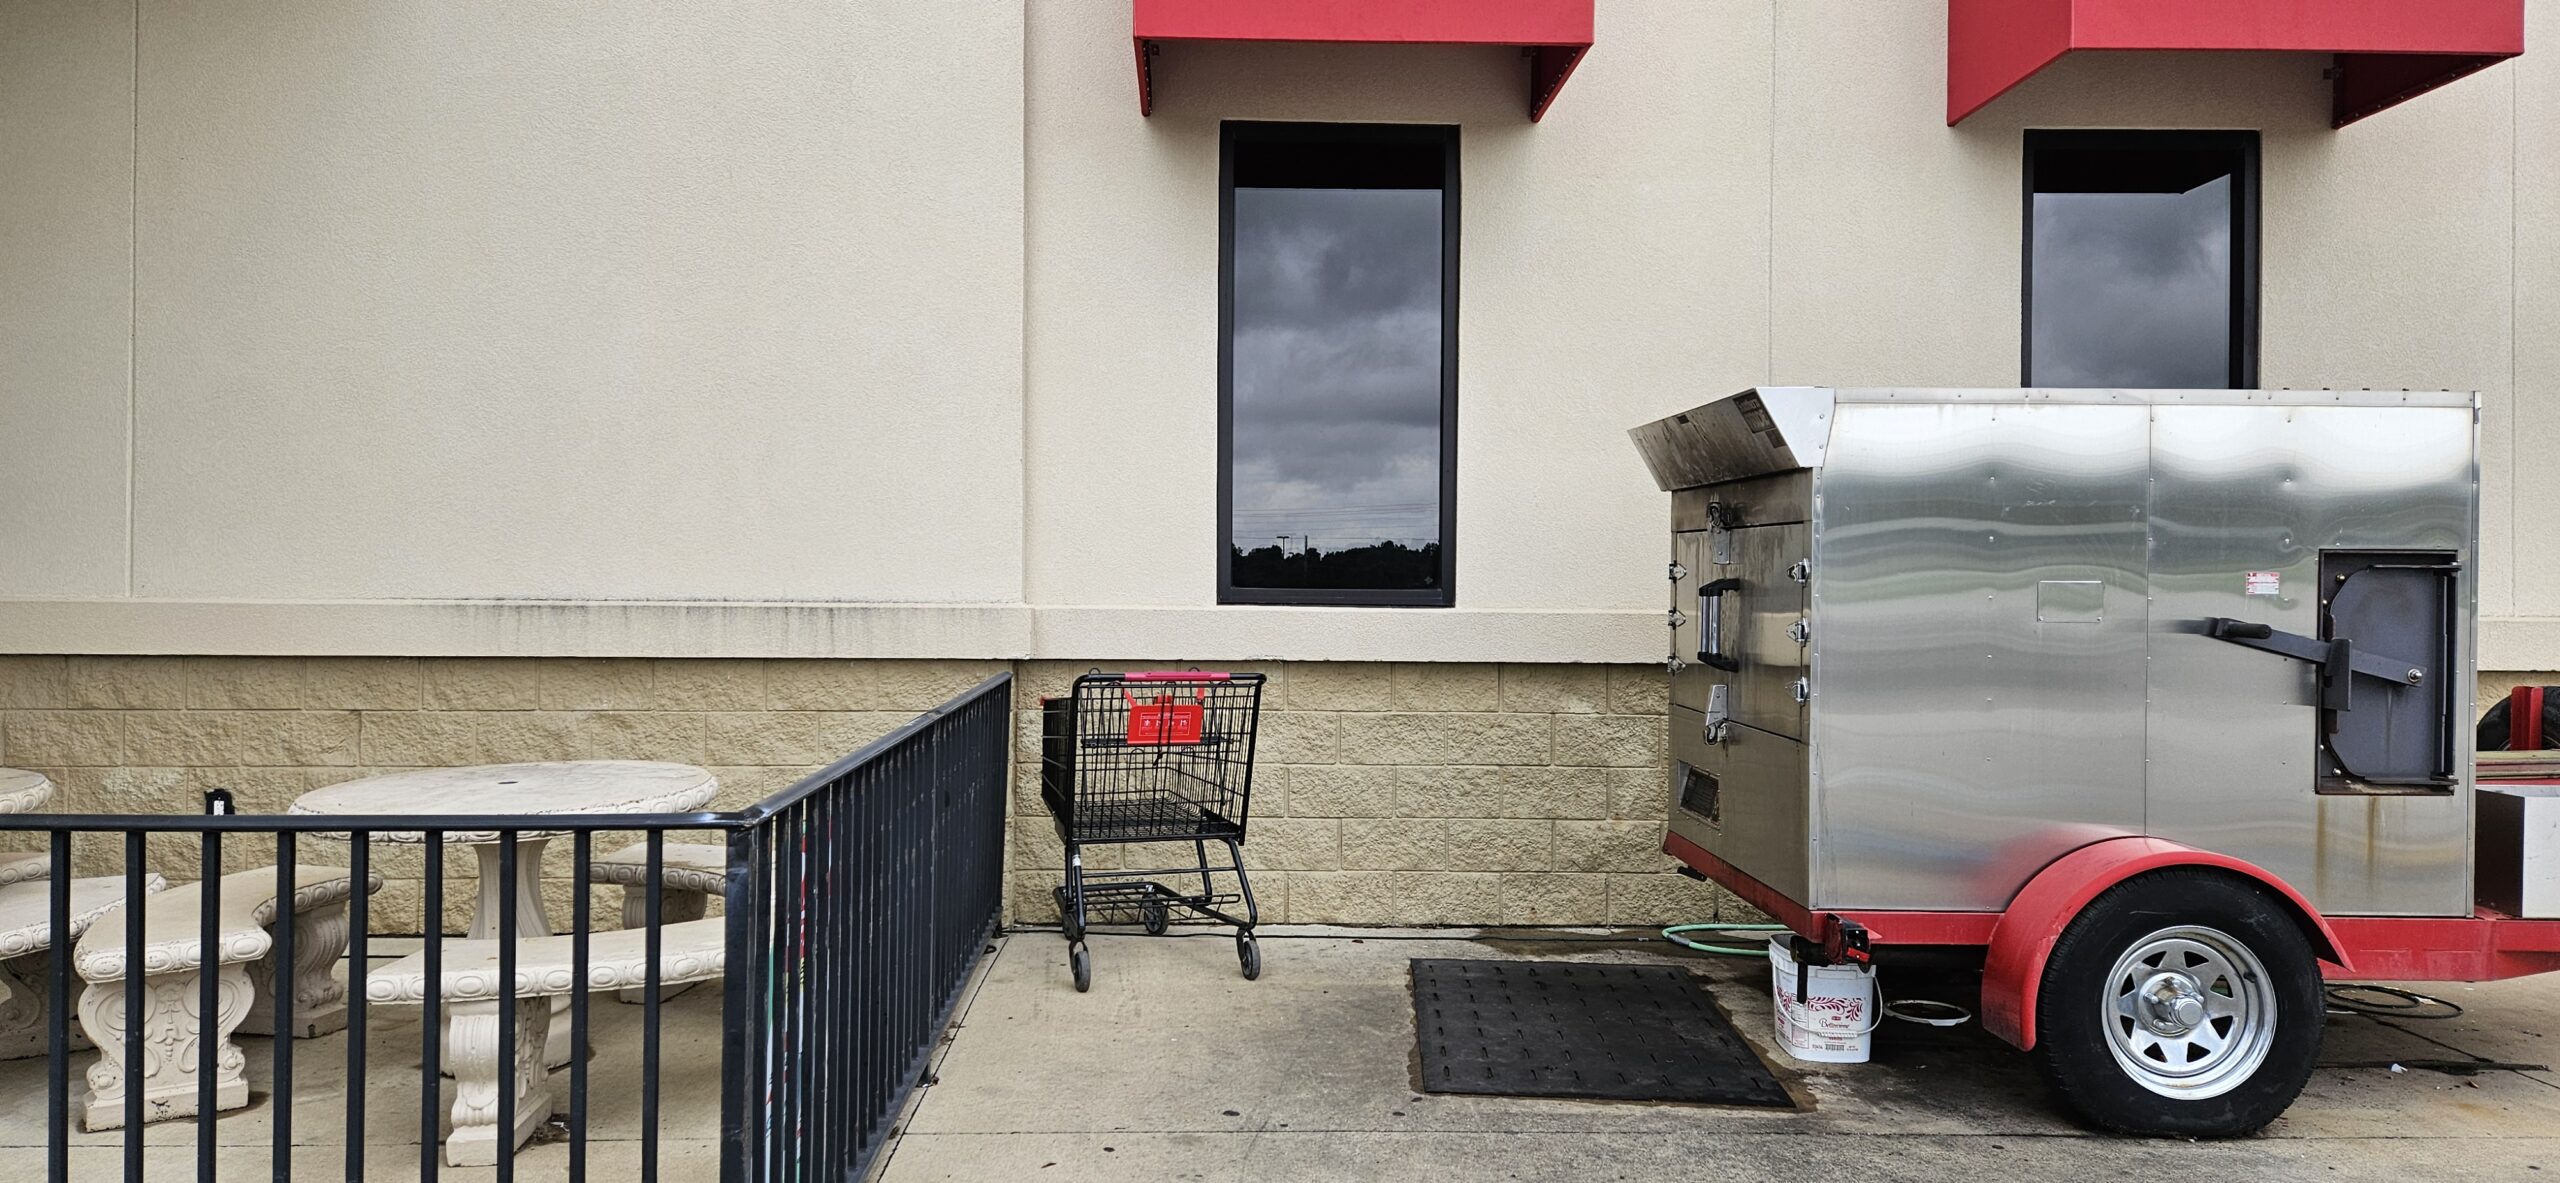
(2157, 702)
(1924, 642)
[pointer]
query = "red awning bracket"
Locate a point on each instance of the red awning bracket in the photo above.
(1553, 34)
(2387, 51)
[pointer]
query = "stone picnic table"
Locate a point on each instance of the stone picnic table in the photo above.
(557, 787)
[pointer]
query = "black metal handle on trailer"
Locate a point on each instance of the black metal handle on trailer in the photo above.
(2339, 662)
(2336, 659)
(1711, 624)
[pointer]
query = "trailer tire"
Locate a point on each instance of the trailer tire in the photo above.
(2181, 1003)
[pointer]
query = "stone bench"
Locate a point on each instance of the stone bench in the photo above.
(694, 872)
(22, 791)
(174, 961)
(26, 959)
(470, 993)
(19, 866)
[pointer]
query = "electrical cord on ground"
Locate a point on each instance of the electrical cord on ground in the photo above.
(2406, 1004)
(1927, 1012)
(1672, 934)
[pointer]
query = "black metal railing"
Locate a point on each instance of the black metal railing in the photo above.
(856, 904)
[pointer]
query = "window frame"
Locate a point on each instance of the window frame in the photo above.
(1230, 134)
(2242, 144)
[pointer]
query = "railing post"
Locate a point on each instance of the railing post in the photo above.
(57, 1072)
(741, 1143)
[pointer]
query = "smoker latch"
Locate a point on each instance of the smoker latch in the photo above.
(1719, 712)
(1721, 520)
(2337, 659)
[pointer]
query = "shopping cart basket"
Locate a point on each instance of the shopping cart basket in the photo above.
(1152, 757)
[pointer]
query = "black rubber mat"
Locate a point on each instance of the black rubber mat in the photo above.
(1581, 1029)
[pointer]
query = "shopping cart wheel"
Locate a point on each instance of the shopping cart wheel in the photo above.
(1249, 954)
(1081, 963)
(1155, 916)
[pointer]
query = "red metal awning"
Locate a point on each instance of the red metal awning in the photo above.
(2388, 50)
(1555, 33)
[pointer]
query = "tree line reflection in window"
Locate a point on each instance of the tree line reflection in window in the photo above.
(1337, 363)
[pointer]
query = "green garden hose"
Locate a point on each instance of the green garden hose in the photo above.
(1672, 934)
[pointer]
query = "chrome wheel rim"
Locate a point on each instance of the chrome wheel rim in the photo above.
(2188, 1012)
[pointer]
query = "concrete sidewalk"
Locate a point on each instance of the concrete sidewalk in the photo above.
(1175, 1068)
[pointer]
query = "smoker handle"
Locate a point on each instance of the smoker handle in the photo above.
(1711, 624)
(2337, 659)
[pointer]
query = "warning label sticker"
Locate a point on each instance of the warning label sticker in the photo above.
(2261, 583)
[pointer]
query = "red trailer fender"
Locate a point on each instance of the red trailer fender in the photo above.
(2025, 935)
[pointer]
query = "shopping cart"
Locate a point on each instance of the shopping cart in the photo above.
(1152, 757)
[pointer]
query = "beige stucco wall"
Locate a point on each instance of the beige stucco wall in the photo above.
(501, 301)
(576, 330)
(1427, 793)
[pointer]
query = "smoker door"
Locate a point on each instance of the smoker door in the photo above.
(1745, 630)
(1743, 800)
(2381, 734)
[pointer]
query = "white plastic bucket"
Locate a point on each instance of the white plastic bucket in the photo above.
(1835, 1023)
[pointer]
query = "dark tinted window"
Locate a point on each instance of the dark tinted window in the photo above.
(1338, 381)
(2141, 267)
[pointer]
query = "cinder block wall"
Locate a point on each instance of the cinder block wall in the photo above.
(150, 734)
(1412, 794)
(1406, 794)
(1385, 794)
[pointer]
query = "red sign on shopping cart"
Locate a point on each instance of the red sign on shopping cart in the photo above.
(1163, 721)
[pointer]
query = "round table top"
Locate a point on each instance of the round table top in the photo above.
(569, 786)
(22, 791)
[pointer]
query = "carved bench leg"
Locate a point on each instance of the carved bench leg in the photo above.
(471, 1048)
(25, 1026)
(169, 1026)
(676, 908)
(319, 995)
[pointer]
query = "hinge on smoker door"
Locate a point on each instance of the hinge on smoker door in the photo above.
(1719, 711)
(1801, 571)
(1673, 664)
(1800, 690)
(1800, 632)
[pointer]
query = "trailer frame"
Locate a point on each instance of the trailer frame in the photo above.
(2487, 945)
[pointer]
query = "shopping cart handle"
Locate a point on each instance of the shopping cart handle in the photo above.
(1173, 676)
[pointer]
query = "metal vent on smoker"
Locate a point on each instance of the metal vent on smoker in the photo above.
(1700, 793)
